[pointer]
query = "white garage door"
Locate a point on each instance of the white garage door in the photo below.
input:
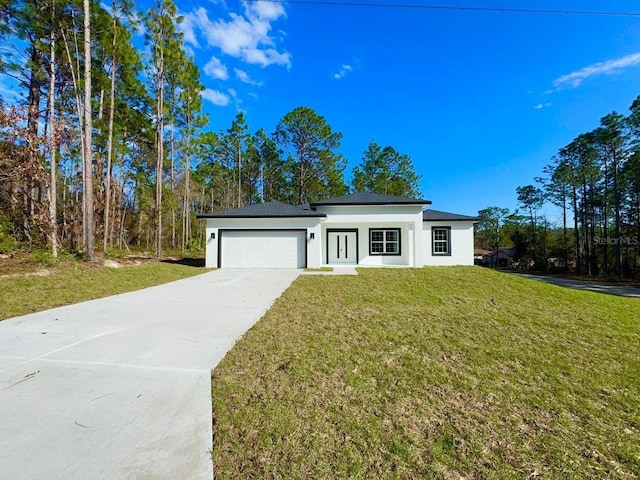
(263, 249)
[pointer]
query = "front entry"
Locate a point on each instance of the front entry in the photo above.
(342, 247)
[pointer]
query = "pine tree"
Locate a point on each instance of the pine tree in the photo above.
(384, 170)
(163, 39)
(309, 145)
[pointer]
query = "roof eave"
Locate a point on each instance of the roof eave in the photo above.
(205, 215)
(471, 219)
(363, 204)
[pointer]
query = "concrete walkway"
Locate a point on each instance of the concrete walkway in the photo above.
(620, 290)
(120, 388)
(339, 270)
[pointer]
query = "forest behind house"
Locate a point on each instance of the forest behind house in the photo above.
(593, 187)
(106, 147)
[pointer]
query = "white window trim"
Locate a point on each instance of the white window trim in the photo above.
(447, 241)
(385, 242)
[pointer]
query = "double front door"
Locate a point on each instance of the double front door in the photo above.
(342, 247)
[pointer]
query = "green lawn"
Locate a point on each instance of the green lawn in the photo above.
(66, 282)
(450, 372)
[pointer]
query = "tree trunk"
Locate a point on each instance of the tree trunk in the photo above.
(173, 183)
(159, 151)
(33, 114)
(616, 194)
(605, 222)
(239, 174)
(112, 103)
(635, 258)
(576, 231)
(565, 240)
(88, 227)
(33, 117)
(185, 207)
(585, 225)
(53, 193)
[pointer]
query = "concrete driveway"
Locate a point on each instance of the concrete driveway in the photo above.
(120, 388)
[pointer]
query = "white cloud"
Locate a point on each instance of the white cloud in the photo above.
(216, 97)
(343, 71)
(542, 105)
(236, 100)
(265, 10)
(216, 69)
(242, 75)
(188, 29)
(574, 79)
(106, 8)
(247, 36)
(245, 78)
(269, 56)
(189, 51)
(137, 24)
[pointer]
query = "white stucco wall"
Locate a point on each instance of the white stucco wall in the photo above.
(311, 225)
(408, 218)
(415, 236)
(461, 244)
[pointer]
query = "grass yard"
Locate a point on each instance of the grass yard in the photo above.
(27, 288)
(450, 372)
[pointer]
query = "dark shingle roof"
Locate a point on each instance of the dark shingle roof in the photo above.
(368, 198)
(438, 216)
(264, 210)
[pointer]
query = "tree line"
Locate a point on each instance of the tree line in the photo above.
(594, 182)
(109, 142)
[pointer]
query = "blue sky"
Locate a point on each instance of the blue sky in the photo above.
(480, 101)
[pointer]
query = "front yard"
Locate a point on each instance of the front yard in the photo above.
(454, 372)
(30, 286)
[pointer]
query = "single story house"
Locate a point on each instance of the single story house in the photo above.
(479, 254)
(503, 258)
(364, 229)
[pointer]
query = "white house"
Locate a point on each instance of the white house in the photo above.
(364, 229)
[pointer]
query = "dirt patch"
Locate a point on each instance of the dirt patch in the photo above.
(16, 265)
(38, 273)
(23, 264)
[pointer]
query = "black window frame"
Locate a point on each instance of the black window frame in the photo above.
(384, 241)
(433, 242)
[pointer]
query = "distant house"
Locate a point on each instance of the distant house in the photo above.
(365, 229)
(503, 258)
(479, 255)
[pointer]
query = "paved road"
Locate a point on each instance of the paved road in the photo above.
(620, 290)
(120, 388)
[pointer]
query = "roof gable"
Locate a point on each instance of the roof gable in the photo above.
(369, 198)
(430, 215)
(273, 209)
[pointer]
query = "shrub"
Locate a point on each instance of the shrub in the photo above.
(8, 244)
(41, 257)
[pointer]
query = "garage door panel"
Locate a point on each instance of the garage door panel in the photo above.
(263, 249)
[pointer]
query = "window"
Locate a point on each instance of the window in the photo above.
(441, 240)
(384, 241)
